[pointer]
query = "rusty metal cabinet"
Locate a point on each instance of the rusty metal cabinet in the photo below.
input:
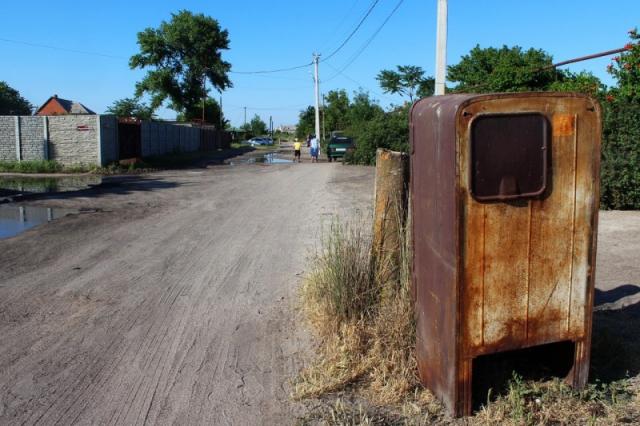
(504, 191)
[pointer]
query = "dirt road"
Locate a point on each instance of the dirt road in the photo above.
(171, 298)
(173, 302)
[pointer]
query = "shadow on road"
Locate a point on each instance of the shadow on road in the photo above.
(118, 185)
(615, 352)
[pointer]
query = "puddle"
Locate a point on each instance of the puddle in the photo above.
(17, 219)
(13, 185)
(270, 158)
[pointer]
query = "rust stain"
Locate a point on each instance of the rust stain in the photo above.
(564, 124)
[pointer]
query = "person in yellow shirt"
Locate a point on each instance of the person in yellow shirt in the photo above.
(296, 150)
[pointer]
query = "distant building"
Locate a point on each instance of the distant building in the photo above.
(58, 106)
(287, 128)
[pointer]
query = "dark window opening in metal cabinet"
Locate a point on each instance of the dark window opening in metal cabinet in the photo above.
(509, 155)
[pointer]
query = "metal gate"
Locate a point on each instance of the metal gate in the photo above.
(129, 138)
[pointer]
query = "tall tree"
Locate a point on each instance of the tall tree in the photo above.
(183, 55)
(131, 107)
(408, 81)
(507, 69)
(11, 103)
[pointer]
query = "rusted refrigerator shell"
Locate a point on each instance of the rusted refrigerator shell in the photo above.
(505, 197)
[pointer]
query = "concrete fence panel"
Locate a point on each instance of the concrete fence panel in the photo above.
(74, 139)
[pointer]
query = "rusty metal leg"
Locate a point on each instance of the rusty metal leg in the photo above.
(581, 364)
(464, 401)
(579, 374)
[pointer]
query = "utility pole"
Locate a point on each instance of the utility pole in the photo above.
(245, 116)
(324, 119)
(316, 58)
(441, 48)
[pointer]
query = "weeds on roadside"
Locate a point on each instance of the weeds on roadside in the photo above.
(365, 324)
(367, 335)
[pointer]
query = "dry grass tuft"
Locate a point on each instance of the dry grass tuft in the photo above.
(365, 326)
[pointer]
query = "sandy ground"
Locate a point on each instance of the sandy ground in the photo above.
(172, 297)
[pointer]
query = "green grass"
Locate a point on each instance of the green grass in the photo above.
(39, 166)
(168, 161)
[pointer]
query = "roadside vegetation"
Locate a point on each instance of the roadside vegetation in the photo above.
(365, 372)
(176, 160)
(504, 69)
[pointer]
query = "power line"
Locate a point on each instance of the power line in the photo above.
(342, 21)
(366, 15)
(368, 42)
(274, 70)
(46, 46)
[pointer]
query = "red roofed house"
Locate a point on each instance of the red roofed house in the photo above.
(59, 106)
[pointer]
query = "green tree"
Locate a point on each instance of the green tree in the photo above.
(384, 130)
(625, 68)
(408, 81)
(212, 113)
(362, 109)
(131, 107)
(336, 110)
(507, 69)
(256, 126)
(183, 55)
(306, 123)
(11, 103)
(582, 82)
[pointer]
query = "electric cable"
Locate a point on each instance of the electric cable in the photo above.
(364, 18)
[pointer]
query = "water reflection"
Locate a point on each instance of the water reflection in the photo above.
(17, 219)
(13, 185)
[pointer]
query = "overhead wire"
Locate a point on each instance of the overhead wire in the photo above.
(364, 18)
(367, 43)
(340, 24)
(46, 46)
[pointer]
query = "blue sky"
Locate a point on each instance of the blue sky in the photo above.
(267, 35)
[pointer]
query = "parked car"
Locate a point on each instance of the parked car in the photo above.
(338, 146)
(260, 140)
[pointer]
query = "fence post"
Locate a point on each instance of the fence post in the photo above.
(18, 146)
(45, 137)
(99, 139)
(390, 212)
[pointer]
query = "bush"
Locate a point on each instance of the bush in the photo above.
(620, 174)
(388, 130)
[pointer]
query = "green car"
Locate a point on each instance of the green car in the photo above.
(338, 146)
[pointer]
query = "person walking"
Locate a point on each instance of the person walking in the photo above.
(296, 151)
(315, 149)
